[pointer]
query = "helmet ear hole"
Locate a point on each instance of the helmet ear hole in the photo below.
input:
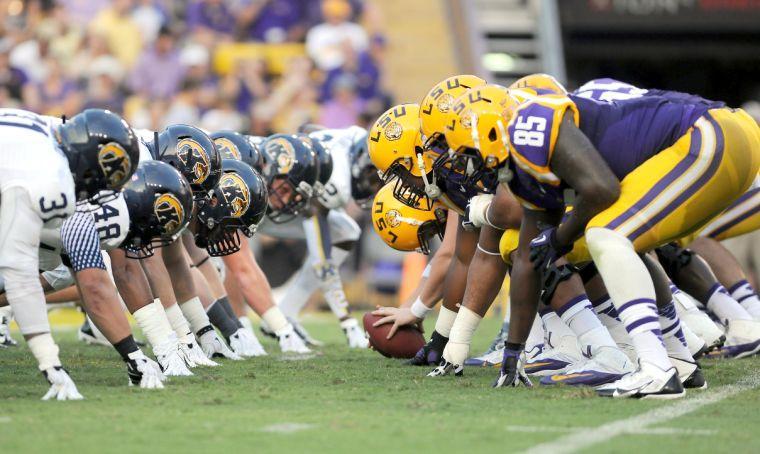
(492, 135)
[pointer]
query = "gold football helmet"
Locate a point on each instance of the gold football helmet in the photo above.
(405, 228)
(436, 106)
(477, 131)
(395, 148)
(541, 81)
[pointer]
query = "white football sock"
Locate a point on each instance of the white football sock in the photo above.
(44, 348)
(6, 313)
(154, 323)
(299, 291)
(460, 338)
(276, 321)
(720, 303)
(554, 327)
(631, 288)
(178, 322)
(195, 314)
(445, 321)
(672, 333)
(743, 292)
(579, 315)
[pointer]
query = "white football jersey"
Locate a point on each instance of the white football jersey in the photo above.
(338, 143)
(145, 137)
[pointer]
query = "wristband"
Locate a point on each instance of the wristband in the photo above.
(418, 309)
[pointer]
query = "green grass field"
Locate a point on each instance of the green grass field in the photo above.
(349, 401)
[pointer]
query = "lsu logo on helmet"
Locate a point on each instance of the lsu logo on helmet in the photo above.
(281, 153)
(193, 156)
(170, 213)
(236, 193)
(392, 217)
(115, 164)
(227, 149)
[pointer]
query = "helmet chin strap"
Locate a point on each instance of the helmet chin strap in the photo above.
(431, 189)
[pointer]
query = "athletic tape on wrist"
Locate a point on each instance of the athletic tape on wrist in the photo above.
(419, 309)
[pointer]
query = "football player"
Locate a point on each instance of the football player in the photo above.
(700, 158)
(46, 169)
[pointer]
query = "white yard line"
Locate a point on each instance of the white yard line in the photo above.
(587, 437)
(645, 431)
(287, 427)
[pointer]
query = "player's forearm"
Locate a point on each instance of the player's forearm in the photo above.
(178, 267)
(253, 286)
(159, 280)
(65, 295)
(131, 281)
(102, 304)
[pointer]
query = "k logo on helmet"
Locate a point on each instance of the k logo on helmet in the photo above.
(282, 154)
(169, 212)
(194, 157)
(235, 192)
(227, 149)
(115, 164)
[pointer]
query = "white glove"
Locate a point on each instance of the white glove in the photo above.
(193, 354)
(477, 208)
(144, 371)
(62, 387)
(213, 346)
(245, 343)
(290, 342)
(170, 357)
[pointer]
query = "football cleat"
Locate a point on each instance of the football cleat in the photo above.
(62, 387)
(696, 345)
(5, 333)
(245, 344)
(689, 373)
(512, 372)
(303, 334)
(170, 358)
(431, 353)
(606, 365)
(90, 336)
(488, 359)
(246, 322)
(554, 359)
(742, 340)
(144, 372)
(291, 342)
(699, 322)
(446, 368)
(354, 334)
(213, 347)
(647, 382)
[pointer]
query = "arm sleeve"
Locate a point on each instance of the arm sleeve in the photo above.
(81, 242)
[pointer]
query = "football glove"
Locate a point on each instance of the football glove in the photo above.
(170, 358)
(512, 372)
(62, 387)
(144, 372)
(213, 347)
(245, 344)
(475, 214)
(192, 353)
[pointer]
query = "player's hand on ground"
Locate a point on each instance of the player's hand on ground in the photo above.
(171, 359)
(144, 372)
(192, 353)
(399, 316)
(245, 344)
(62, 387)
(213, 347)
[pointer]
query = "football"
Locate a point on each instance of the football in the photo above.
(404, 344)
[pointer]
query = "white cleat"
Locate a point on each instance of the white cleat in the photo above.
(193, 354)
(290, 342)
(301, 331)
(245, 343)
(62, 387)
(354, 334)
(699, 322)
(213, 347)
(742, 339)
(170, 358)
(144, 372)
(606, 365)
(554, 359)
(246, 322)
(91, 336)
(689, 373)
(5, 333)
(647, 382)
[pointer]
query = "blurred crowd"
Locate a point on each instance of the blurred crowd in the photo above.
(153, 61)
